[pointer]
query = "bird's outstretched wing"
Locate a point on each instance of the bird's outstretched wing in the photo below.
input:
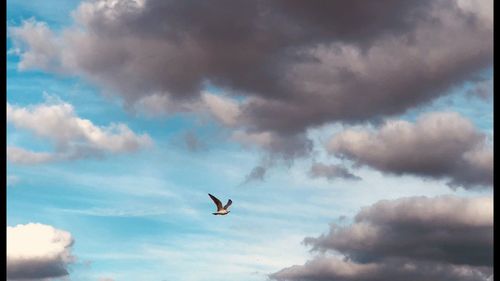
(216, 201)
(229, 202)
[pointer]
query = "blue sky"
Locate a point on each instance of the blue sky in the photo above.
(145, 214)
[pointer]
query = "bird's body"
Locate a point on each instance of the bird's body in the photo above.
(221, 213)
(221, 210)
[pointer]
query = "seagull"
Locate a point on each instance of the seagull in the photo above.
(220, 210)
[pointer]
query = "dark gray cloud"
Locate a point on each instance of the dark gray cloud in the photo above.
(245, 47)
(297, 64)
(334, 269)
(437, 145)
(280, 148)
(331, 172)
(36, 269)
(356, 21)
(415, 238)
(444, 229)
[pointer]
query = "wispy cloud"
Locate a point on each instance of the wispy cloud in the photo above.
(331, 172)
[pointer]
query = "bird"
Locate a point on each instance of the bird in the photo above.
(220, 210)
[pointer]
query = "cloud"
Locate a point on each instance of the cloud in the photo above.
(331, 172)
(331, 268)
(73, 137)
(262, 139)
(192, 142)
(482, 89)
(37, 251)
(293, 65)
(224, 109)
(36, 36)
(158, 105)
(413, 238)
(21, 156)
(432, 229)
(437, 145)
(280, 147)
(257, 174)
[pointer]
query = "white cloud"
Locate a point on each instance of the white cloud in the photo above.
(36, 251)
(21, 156)
(223, 109)
(73, 137)
(38, 37)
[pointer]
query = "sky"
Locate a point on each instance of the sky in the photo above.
(354, 139)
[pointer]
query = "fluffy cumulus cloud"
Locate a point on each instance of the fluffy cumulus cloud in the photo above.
(72, 136)
(43, 51)
(437, 145)
(292, 65)
(37, 251)
(414, 238)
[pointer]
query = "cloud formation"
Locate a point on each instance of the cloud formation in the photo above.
(331, 172)
(437, 145)
(482, 89)
(73, 137)
(331, 268)
(414, 238)
(192, 142)
(280, 147)
(37, 251)
(22, 156)
(256, 174)
(292, 64)
(432, 229)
